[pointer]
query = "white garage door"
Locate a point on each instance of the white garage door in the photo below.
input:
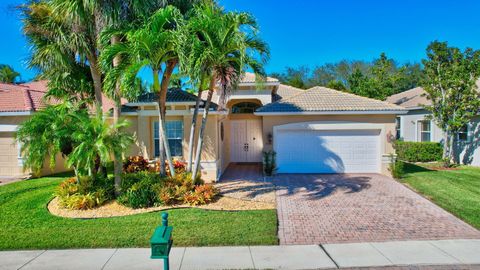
(333, 151)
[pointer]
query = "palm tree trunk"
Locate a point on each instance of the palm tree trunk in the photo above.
(193, 127)
(201, 134)
(117, 111)
(97, 81)
(170, 66)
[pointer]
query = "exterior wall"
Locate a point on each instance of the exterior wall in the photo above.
(409, 131)
(468, 152)
(387, 120)
(10, 163)
(143, 126)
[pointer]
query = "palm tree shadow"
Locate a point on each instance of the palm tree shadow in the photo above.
(318, 186)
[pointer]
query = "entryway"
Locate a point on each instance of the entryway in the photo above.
(246, 140)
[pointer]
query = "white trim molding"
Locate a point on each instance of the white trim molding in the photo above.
(330, 113)
(8, 128)
(15, 113)
(136, 104)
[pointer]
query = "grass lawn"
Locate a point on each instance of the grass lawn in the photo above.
(457, 191)
(25, 223)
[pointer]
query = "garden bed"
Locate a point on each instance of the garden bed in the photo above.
(114, 209)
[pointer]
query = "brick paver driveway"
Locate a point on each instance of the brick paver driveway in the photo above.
(317, 209)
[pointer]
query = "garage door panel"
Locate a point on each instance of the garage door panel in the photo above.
(336, 151)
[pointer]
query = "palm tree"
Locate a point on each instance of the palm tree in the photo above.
(152, 45)
(219, 52)
(47, 133)
(97, 141)
(8, 74)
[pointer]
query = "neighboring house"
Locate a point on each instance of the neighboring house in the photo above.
(418, 126)
(319, 130)
(17, 103)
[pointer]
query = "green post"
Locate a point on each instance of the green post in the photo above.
(161, 242)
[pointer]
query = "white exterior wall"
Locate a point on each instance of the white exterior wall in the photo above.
(409, 124)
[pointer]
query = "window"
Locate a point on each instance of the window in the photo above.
(398, 126)
(174, 130)
(425, 130)
(245, 107)
(462, 135)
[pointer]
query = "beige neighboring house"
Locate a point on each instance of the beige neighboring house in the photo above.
(417, 126)
(17, 103)
(318, 130)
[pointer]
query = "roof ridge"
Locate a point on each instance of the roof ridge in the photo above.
(28, 99)
(356, 96)
(291, 97)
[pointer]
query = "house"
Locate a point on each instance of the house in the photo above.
(418, 126)
(318, 130)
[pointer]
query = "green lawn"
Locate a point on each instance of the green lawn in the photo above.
(25, 223)
(457, 191)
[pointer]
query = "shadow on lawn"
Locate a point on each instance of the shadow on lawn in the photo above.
(414, 168)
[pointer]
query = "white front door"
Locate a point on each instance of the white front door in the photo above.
(246, 141)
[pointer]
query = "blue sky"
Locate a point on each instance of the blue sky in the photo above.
(313, 32)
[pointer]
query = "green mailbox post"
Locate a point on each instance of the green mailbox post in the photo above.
(161, 242)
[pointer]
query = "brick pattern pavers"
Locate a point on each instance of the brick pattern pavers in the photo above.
(345, 208)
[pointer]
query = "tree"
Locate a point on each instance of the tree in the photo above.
(8, 74)
(151, 45)
(219, 48)
(96, 142)
(450, 85)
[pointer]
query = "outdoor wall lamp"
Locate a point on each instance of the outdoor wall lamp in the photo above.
(269, 138)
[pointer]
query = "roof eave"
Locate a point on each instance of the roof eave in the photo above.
(19, 113)
(331, 112)
(169, 103)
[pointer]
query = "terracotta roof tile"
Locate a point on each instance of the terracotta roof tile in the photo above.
(21, 97)
(322, 99)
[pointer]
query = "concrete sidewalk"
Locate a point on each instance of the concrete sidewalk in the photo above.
(448, 254)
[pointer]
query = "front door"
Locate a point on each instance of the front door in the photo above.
(246, 141)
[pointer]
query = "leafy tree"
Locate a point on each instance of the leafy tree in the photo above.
(218, 48)
(337, 85)
(296, 77)
(8, 74)
(450, 85)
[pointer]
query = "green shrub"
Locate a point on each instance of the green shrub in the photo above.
(139, 189)
(418, 151)
(129, 179)
(269, 163)
(397, 168)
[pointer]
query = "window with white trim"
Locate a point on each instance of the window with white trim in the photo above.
(425, 130)
(398, 127)
(174, 130)
(462, 135)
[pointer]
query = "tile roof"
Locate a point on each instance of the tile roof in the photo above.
(322, 99)
(173, 95)
(285, 91)
(412, 98)
(249, 77)
(22, 97)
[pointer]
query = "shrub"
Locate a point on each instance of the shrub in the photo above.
(202, 194)
(85, 194)
(135, 164)
(269, 163)
(418, 151)
(178, 165)
(397, 168)
(139, 190)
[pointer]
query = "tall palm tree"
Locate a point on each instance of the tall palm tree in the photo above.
(151, 45)
(222, 47)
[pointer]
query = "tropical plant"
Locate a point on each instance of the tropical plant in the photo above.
(450, 86)
(8, 74)
(47, 133)
(151, 45)
(217, 47)
(269, 162)
(97, 142)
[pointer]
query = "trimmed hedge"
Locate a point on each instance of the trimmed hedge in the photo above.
(419, 151)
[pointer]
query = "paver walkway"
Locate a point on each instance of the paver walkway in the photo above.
(450, 254)
(342, 208)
